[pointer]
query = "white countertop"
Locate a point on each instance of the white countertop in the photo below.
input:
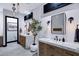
(65, 45)
(24, 34)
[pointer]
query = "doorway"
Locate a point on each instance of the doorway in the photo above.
(11, 29)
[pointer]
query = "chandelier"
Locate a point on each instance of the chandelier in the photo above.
(15, 8)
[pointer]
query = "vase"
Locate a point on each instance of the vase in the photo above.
(33, 48)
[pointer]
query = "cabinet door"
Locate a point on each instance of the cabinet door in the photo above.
(1, 41)
(55, 51)
(22, 41)
(43, 48)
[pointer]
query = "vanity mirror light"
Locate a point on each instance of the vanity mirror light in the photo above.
(58, 24)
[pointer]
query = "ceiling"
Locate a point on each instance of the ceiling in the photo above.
(23, 7)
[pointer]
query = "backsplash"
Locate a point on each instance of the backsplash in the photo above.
(60, 37)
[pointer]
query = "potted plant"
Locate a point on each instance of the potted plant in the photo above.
(35, 27)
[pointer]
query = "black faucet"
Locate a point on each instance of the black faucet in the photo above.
(57, 38)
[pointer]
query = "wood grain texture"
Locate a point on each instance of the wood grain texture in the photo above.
(1, 41)
(49, 50)
(22, 40)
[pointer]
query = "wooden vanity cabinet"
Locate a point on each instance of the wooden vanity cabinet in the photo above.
(54, 51)
(43, 49)
(22, 40)
(1, 41)
(49, 50)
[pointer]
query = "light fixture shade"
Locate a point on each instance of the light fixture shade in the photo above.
(13, 8)
(71, 19)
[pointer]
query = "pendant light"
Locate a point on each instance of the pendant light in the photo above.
(15, 8)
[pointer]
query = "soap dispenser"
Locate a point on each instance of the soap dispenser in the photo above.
(63, 40)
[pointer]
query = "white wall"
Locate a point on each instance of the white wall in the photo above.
(45, 30)
(1, 23)
(70, 28)
(70, 10)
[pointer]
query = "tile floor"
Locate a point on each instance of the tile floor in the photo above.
(14, 49)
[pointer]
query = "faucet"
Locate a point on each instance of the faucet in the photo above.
(56, 38)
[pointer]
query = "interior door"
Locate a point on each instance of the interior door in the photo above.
(11, 29)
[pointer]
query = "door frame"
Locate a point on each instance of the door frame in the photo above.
(6, 30)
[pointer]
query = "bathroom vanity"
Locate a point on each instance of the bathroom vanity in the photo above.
(47, 47)
(51, 44)
(25, 40)
(22, 40)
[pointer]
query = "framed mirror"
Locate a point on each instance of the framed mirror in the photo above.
(58, 24)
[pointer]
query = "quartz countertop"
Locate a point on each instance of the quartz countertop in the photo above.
(22, 34)
(65, 45)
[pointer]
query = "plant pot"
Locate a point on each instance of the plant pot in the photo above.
(34, 47)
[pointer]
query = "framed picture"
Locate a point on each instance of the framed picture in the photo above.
(54, 6)
(12, 26)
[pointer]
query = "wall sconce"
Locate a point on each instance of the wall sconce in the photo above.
(20, 30)
(70, 19)
(48, 22)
